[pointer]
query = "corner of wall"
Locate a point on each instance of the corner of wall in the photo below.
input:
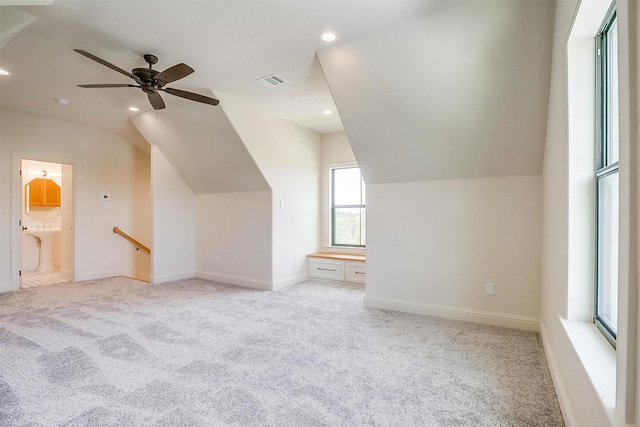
(558, 383)
(156, 280)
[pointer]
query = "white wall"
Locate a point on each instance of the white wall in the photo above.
(289, 158)
(594, 383)
(336, 148)
(104, 163)
(433, 246)
(234, 236)
(66, 220)
(173, 247)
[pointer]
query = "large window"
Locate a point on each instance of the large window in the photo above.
(607, 177)
(347, 207)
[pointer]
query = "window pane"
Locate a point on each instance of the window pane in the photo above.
(346, 187)
(349, 226)
(608, 203)
(612, 94)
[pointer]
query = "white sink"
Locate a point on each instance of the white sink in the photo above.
(46, 248)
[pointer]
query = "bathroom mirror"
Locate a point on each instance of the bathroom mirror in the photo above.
(42, 193)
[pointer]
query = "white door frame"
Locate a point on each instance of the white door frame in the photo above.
(16, 209)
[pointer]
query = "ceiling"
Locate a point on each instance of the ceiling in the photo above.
(228, 43)
(465, 97)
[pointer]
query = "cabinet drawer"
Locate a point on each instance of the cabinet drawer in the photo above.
(333, 270)
(356, 272)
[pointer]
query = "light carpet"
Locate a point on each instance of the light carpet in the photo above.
(118, 352)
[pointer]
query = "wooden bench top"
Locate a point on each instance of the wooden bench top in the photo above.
(343, 257)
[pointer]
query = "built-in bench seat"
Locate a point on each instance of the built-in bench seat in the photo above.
(340, 267)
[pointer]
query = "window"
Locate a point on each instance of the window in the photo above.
(607, 177)
(347, 207)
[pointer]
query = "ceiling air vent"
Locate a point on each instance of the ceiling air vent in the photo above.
(271, 81)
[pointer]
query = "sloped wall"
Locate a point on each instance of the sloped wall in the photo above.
(460, 92)
(203, 147)
(289, 157)
(446, 115)
(205, 185)
(255, 182)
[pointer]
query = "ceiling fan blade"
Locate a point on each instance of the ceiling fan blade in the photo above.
(107, 64)
(107, 85)
(192, 96)
(173, 73)
(156, 100)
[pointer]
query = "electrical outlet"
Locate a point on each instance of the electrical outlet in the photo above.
(295, 260)
(491, 288)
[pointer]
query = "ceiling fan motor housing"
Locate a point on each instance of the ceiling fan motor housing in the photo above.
(147, 76)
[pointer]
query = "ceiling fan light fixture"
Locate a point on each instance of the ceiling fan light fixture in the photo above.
(327, 112)
(4, 72)
(329, 36)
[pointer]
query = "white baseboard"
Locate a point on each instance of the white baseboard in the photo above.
(97, 275)
(280, 284)
(6, 287)
(558, 384)
(456, 313)
(156, 280)
(234, 280)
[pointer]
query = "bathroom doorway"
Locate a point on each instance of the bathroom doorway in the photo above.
(46, 241)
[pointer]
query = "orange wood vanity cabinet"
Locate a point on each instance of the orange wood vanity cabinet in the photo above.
(44, 192)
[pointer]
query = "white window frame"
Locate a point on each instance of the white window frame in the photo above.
(327, 214)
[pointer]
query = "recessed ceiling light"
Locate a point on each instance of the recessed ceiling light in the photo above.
(62, 101)
(134, 109)
(327, 112)
(4, 72)
(329, 36)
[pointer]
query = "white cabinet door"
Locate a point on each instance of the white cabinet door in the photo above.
(326, 269)
(356, 272)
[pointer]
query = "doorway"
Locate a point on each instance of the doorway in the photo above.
(46, 223)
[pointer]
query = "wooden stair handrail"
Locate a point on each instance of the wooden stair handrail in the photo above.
(131, 239)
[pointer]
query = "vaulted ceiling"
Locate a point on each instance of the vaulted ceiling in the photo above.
(424, 89)
(228, 43)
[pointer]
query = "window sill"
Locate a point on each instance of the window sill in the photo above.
(345, 249)
(597, 357)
